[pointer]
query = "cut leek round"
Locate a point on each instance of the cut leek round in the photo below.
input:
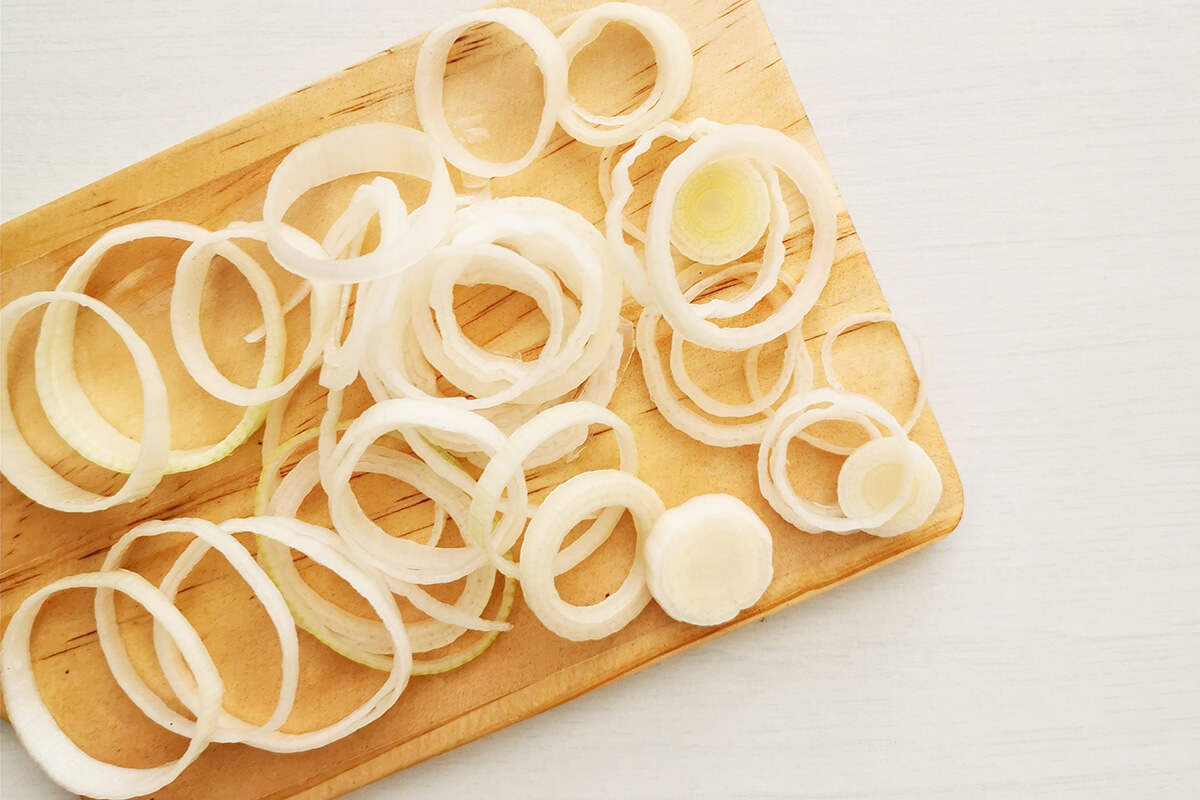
(870, 480)
(707, 559)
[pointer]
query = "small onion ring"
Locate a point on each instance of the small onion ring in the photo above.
(431, 73)
(569, 503)
(673, 79)
(50, 747)
(34, 477)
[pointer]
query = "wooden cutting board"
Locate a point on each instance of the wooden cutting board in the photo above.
(220, 177)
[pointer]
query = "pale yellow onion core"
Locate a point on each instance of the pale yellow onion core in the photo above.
(721, 212)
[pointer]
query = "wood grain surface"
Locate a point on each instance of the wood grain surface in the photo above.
(220, 177)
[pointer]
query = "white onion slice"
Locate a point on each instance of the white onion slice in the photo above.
(721, 212)
(325, 548)
(673, 77)
(789, 422)
(855, 320)
(185, 322)
(563, 508)
(775, 150)
(207, 535)
(707, 559)
(508, 462)
(49, 747)
(870, 479)
(431, 73)
(371, 147)
(67, 405)
(796, 375)
(30, 474)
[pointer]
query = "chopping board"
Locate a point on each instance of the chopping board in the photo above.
(220, 177)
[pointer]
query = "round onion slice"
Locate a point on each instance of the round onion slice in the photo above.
(775, 150)
(185, 322)
(673, 78)
(325, 548)
(870, 479)
(49, 746)
(229, 728)
(508, 462)
(371, 147)
(789, 422)
(721, 212)
(431, 74)
(68, 407)
(30, 474)
(855, 320)
(563, 508)
(707, 559)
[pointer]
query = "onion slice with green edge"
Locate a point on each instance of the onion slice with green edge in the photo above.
(185, 321)
(207, 536)
(67, 405)
(775, 151)
(468, 653)
(33, 476)
(796, 375)
(707, 559)
(854, 321)
(370, 147)
(428, 89)
(325, 548)
(49, 746)
(563, 508)
(788, 423)
(673, 76)
(508, 462)
(870, 479)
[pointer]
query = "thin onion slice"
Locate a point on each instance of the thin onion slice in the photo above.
(371, 147)
(30, 474)
(508, 462)
(708, 558)
(67, 405)
(776, 151)
(207, 535)
(721, 212)
(325, 548)
(673, 77)
(788, 423)
(870, 479)
(431, 73)
(563, 508)
(854, 321)
(49, 746)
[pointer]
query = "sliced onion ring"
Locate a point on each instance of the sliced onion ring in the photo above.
(562, 509)
(673, 78)
(30, 474)
(371, 147)
(49, 746)
(431, 73)
(774, 149)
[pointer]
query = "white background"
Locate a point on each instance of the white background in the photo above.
(1026, 180)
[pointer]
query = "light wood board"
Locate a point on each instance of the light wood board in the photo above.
(220, 177)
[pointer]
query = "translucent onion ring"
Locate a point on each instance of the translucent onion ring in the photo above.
(673, 80)
(792, 418)
(776, 150)
(47, 744)
(371, 147)
(569, 503)
(431, 73)
(30, 474)
(68, 407)
(193, 268)
(207, 536)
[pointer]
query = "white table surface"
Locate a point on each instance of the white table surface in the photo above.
(1026, 180)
